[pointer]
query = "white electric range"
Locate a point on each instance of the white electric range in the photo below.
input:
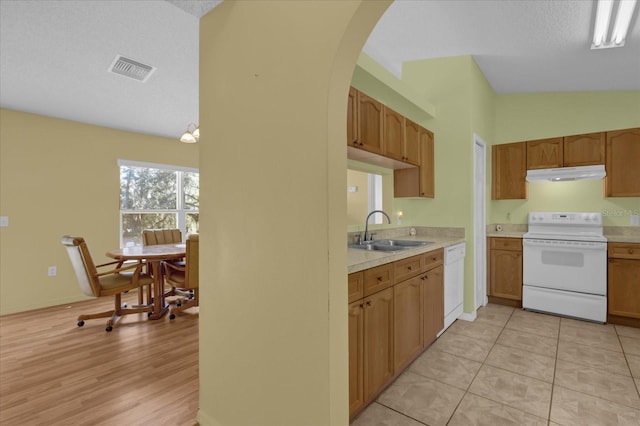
(565, 265)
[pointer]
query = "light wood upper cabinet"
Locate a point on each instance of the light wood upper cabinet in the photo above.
(509, 169)
(544, 153)
(623, 163)
(584, 150)
(567, 151)
(624, 280)
(418, 181)
(412, 136)
(369, 124)
(352, 118)
(427, 164)
(378, 341)
(505, 268)
(393, 134)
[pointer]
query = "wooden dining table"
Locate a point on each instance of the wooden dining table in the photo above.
(154, 255)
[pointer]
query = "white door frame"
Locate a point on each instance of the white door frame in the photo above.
(479, 220)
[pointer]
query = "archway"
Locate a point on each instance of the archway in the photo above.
(273, 319)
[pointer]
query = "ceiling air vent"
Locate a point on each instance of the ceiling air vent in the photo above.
(130, 68)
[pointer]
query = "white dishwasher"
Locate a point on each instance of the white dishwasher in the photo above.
(453, 283)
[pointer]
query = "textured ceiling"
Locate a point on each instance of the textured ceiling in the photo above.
(54, 54)
(521, 46)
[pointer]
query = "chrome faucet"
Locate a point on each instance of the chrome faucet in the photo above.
(366, 225)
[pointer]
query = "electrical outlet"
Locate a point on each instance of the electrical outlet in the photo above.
(635, 220)
(4, 221)
(52, 271)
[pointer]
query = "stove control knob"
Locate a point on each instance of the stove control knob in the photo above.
(594, 217)
(587, 218)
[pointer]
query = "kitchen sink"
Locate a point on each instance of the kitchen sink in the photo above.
(389, 245)
(376, 247)
(403, 243)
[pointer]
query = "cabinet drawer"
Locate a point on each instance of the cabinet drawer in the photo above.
(356, 286)
(432, 259)
(407, 268)
(624, 251)
(506, 244)
(378, 278)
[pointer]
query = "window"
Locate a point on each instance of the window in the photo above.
(157, 196)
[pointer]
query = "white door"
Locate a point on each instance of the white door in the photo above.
(479, 219)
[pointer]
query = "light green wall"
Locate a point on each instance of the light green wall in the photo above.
(60, 177)
(521, 117)
(463, 104)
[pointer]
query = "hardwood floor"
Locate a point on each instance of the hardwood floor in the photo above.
(55, 373)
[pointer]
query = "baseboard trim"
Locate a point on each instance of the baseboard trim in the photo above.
(469, 316)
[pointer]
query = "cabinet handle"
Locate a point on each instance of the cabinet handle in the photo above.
(630, 251)
(355, 142)
(409, 268)
(361, 305)
(369, 303)
(379, 279)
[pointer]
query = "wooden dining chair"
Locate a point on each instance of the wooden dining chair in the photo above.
(184, 279)
(113, 281)
(151, 237)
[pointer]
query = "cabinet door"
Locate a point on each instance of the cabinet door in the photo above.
(623, 171)
(393, 134)
(412, 134)
(506, 274)
(584, 150)
(356, 356)
(509, 169)
(355, 286)
(427, 164)
(407, 321)
(544, 153)
(378, 341)
(352, 118)
(433, 302)
(369, 124)
(624, 287)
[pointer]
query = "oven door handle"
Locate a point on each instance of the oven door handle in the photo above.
(553, 244)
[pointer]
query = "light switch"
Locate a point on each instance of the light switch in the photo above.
(4, 221)
(635, 220)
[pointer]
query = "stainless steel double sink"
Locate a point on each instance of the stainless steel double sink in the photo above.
(389, 245)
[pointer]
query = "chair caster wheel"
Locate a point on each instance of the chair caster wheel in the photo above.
(149, 314)
(80, 323)
(172, 316)
(109, 328)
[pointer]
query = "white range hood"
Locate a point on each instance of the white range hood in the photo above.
(566, 173)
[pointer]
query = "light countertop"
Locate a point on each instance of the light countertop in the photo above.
(359, 260)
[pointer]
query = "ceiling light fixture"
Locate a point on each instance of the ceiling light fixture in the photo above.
(191, 135)
(620, 27)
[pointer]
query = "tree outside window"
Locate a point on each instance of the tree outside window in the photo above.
(156, 197)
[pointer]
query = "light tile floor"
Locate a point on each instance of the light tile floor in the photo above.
(514, 367)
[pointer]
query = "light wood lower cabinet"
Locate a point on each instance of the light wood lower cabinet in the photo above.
(433, 297)
(505, 269)
(393, 323)
(356, 356)
(378, 341)
(407, 321)
(624, 283)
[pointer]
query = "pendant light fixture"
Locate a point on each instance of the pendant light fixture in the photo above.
(191, 135)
